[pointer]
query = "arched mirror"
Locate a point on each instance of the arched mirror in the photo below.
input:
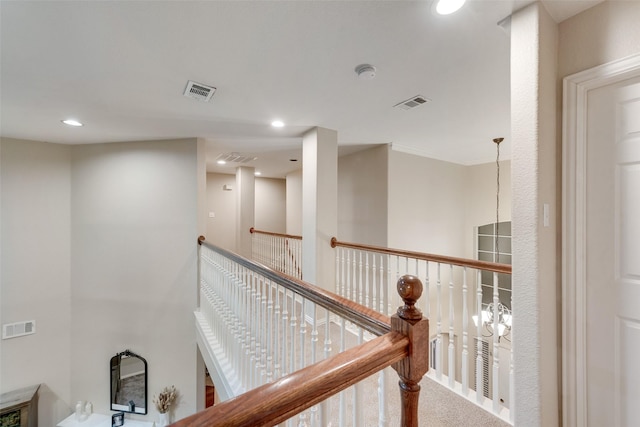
(128, 383)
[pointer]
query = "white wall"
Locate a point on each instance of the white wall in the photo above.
(294, 203)
(270, 205)
(35, 272)
(426, 205)
(362, 196)
(98, 247)
(480, 197)
(221, 229)
(133, 276)
(602, 34)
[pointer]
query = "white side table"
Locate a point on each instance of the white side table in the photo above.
(100, 420)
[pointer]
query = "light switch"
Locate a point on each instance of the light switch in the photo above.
(545, 214)
(212, 214)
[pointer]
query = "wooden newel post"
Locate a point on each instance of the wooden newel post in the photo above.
(408, 321)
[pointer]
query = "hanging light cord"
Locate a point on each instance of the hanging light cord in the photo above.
(497, 141)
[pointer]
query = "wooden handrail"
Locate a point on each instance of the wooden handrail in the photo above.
(462, 262)
(270, 233)
(402, 342)
(276, 402)
(364, 317)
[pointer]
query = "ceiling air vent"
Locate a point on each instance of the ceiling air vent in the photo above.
(235, 158)
(199, 91)
(413, 102)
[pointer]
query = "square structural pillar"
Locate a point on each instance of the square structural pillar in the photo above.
(245, 209)
(319, 206)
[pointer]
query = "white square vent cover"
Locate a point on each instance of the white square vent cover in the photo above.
(199, 91)
(413, 102)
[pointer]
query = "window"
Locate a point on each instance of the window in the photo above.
(487, 251)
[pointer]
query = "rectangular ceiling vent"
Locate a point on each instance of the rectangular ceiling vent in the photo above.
(413, 102)
(199, 91)
(235, 158)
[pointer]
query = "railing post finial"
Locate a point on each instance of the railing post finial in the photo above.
(409, 322)
(410, 290)
(200, 240)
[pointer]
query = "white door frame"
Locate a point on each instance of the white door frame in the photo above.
(574, 125)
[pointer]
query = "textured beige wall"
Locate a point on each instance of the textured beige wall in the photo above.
(426, 204)
(221, 229)
(270, 205)
(133, 276)
(362, 196)
(105, 260)
(36, 272)
(534, 182)
(294, 202)
(602, 34)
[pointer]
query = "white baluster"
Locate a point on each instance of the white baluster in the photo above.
(369, 292)
(347, 274)
(386, 306)
(452, 346)
(439, 326)
(255, 342)
(354, 280)
(269, 325)
(293, 336)
(324, 417)
(338, 281)
(465, 336)
(374, 286)
(343, 400)
(247, 366)
(360, 280)
(496, 346)
(314, 348)
(358, 392)
(425, 294)
(383, 407)
(277, 319)
(479, 363)
(302, 363)
(285, 329)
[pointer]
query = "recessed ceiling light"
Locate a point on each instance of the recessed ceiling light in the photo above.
(446, 7)
(257, 173)
(222, 162)
(72, 122)
(277, 123)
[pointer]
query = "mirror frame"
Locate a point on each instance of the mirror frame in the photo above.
(113, 363)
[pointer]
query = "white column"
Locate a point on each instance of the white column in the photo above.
(319, 206)
(245, 208)
(533, 177)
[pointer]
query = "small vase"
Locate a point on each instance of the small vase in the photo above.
(163, 419)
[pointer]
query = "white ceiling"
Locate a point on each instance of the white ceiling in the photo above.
(121, 68)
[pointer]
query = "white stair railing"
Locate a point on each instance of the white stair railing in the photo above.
(255, 326)
(466, 355)
(280, 252)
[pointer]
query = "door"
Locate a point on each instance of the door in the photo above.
(612, 254)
